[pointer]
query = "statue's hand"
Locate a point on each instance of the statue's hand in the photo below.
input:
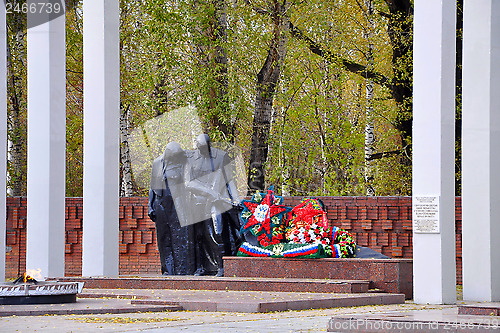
(152, 216)
(223, 203)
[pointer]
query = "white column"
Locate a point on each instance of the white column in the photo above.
(434, 152)
(3, 139)
(46, 145)
(481, 151)
(101, 137)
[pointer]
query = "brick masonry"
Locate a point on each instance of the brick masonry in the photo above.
(382, 223)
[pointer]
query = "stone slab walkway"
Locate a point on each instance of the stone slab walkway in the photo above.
(188, 321)
(319, 320)
(156, 300)
(425, 319)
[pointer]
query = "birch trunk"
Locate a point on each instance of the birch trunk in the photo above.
(369, 127)
(127, 187)
(17, 139)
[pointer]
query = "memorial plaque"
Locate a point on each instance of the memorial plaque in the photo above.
(426, 214)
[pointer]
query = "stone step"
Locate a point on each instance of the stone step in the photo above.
(480, 309)
(241, 301)
(388, 275)
(86, 306)
(189, 282)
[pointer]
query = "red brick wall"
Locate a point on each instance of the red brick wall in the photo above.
(382, 223)
(138, 250)
(138, 253)
(15, 252)
(73, 251)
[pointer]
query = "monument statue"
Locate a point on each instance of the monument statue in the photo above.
(174, 235)
(194, 203)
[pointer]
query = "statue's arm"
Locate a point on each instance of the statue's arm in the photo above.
(197, 187)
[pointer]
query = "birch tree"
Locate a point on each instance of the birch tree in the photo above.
(17, 105)
(398, 15)
(369, 128)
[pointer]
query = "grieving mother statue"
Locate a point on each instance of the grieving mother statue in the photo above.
(174, 235)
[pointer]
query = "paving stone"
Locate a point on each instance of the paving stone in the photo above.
(441, 319)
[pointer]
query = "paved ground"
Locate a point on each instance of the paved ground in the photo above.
(187, 321)
(111, 314)
(428, 319)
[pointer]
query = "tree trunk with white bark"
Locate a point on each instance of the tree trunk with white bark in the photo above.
(127, 184)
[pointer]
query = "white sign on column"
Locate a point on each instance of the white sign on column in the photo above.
(101, 68)
(3, 139)
(434, 270)
(481, 151)
(426, 214)
(45, 236)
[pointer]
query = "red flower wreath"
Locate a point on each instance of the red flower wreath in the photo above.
(263, 215)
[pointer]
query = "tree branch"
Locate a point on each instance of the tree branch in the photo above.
(257, 9)
(378, 156)
(383, 14)
(74, 72)
(349, 65)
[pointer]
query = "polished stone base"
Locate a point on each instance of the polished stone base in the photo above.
(190, 282)
(387, 275)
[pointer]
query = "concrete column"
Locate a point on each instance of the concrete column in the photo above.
(3, 138)
(101, 137)
(46, 145)
(434, 152)
(481, 151)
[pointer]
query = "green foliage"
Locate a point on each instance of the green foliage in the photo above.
(318, 133)
(16, 104)
(206, 54)
(74, 102)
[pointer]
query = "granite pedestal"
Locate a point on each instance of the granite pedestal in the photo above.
(387, 275)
